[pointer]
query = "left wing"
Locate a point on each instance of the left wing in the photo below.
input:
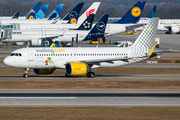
(109, 60)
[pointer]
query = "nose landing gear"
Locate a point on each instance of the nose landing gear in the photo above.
(26, 73)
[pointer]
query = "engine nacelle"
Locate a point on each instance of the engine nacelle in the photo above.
(173, 29)
(76, 69)
(43, 71)
(36, 42)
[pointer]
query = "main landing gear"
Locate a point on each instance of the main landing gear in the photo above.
(26, 73)
(90, 74)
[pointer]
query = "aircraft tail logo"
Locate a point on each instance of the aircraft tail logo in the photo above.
(86, 25)
(101, 26)
(73, 21)
(136, 12)
(31, 17)
(90, 12)
(72, 14)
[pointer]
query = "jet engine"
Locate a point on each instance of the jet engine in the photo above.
(75, 69)
(43, 71)
(173, 29)
(36, 42)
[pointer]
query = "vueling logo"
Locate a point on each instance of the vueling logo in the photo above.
(136, 12)
(59, 50)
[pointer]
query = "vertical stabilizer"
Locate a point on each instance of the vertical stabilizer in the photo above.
(57, 10)
(146, 40)
(153, 11)
(75, 11)
(91, 10)
(133, 15)
(15, 16)
(41, 13)
(99, 28)
(87, 24)
(35, 9)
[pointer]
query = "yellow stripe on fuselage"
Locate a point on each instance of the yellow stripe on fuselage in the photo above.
(150, 53)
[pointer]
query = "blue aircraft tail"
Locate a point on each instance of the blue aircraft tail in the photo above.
(56, 10)
(53, 16)
(76, 10)
(134, 14)
(41, 13)
(35, 9)
(98, 30)
(87, 24)
(15, 16)
(153, 11)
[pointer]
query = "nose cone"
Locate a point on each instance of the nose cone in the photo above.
(8, 61)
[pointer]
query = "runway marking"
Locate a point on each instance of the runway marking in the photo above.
(37, 97)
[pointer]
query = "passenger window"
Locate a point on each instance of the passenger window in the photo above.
(20, 54)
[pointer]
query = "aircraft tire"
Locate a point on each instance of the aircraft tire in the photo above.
(91, 74)
(25, 75)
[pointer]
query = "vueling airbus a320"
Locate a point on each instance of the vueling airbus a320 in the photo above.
(79, 61)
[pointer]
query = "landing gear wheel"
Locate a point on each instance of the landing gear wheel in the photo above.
(25, 75)
(91, 74)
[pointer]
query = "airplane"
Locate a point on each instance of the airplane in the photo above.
(35, 9)
(80, 61)
(57, 10)
(36, 37)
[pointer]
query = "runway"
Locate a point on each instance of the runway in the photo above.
(90, 98)
(97, 77)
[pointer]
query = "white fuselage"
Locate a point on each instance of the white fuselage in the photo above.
(28, 32)
(163, 23)
(60, 35)
(36, 57)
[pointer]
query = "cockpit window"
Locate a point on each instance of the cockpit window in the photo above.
(12, 54)
(15, 54)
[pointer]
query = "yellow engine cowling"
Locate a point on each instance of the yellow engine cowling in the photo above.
(76, 69)
(43, 71)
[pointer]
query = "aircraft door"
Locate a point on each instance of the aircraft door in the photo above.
(30, 55)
